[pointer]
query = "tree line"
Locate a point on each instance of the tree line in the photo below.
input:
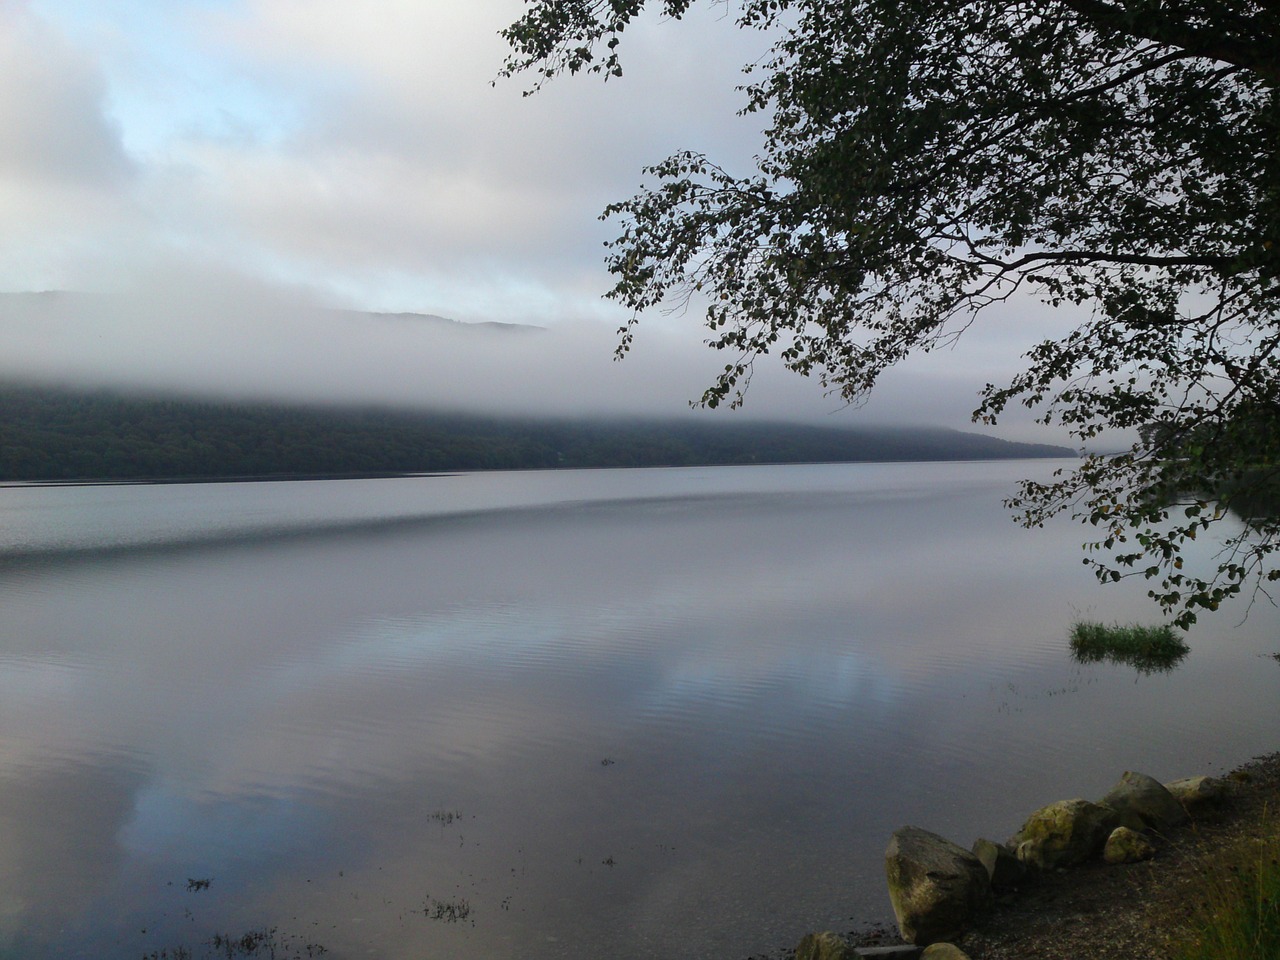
(51, 434)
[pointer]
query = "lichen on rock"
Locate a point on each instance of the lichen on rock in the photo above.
(1003, 866)
(1143, 802)
(936, 887)
(1196, 793)
(825, 946)
(1064, 834)
(1127, 846)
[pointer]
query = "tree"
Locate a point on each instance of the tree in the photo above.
(925, 161)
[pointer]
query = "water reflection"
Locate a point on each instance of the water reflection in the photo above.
(1145, 663)
(388, 739)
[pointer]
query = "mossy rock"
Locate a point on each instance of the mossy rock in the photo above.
(825, 946)
(1143, 802)
(1003, 866)
(1065, 834)
(935, 886)
(1127, 846)
(1197, 793)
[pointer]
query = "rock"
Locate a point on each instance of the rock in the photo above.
(1127, 846)
(943, 951)
(825, 946)
(1003, 866)
(935, 886)
(1144, 802)
(1196, 793)
(1064, 834)
(907, 951)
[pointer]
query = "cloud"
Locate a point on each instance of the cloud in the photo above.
(194, 329)
(54, 126)
(408, 160)
(64, 173)
(363, 149)
(221, 333)
(230, 169)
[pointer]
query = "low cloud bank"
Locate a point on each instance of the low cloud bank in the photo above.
(229, 336)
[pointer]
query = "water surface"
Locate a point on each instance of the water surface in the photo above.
(647, 713)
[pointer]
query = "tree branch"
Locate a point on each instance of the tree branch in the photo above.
(1092, 256)
(1257, 54)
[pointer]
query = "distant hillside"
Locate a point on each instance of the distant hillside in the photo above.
(52, 434)
(60, 304)
(431, 319)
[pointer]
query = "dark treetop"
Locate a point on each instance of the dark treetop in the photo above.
(62, 435)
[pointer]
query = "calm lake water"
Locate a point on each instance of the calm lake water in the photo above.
(623, 713)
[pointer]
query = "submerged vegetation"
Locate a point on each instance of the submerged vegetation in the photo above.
(1148, 648)
(1239, 911)
(454, 910)
(266, 944)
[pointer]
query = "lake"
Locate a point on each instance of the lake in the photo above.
(626, 713)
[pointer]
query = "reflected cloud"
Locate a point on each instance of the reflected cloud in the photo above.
(286, 716)
(60, 848)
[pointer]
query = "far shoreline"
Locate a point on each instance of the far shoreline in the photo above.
(431, 474)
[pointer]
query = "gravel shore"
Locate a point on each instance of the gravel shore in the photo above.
(1126, 912)
(1133, 911)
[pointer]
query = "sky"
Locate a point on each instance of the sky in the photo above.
(223, 174)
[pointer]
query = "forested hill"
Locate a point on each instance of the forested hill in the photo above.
(52, 434)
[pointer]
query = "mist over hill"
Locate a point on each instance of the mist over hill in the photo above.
(206, 334)
(60, 434)
(431, 319)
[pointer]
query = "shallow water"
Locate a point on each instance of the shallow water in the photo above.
(647, 713)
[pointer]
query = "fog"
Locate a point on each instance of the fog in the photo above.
(229, 336)
(215, 184)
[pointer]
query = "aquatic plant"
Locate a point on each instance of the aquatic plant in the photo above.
(266, 944)
(448, 911)
(1148, 648)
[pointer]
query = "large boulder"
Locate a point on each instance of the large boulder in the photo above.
(1003, 866)
(1064, 834)
(1143, 802)
(1196, 793)
(825, 946)
(935, 886)
(1127, 846)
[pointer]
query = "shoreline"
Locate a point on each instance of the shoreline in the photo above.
(1100, 911)
(1137, 911)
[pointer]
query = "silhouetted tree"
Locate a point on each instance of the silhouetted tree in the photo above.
(924, 161)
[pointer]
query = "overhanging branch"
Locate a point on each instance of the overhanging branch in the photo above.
(1254, 51)
(1081, 257)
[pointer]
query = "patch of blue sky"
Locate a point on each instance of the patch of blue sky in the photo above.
(169, 82)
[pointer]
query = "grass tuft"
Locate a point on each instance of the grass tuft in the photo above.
(1148, 648)
(1238, 917)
